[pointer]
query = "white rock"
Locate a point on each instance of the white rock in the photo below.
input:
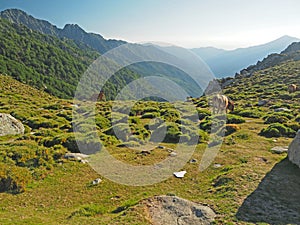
(282, 110)
(179, 174)
(77, 156)
(96, 181)
(279, 149)
(173, 154)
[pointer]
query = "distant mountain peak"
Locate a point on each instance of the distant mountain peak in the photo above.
(73, 26)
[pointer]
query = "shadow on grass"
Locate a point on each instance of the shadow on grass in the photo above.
(277, 198)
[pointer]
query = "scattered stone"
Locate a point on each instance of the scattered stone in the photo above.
(170, 150)
(262, 102)
(173, 154)
(274, 140)
(179, 174)
(262, 159)
(84, 161)
(294, 150)
(75, 106)
(173, 210)
(217, 165)
(193, 160)
(145, 152)
(10, 125)
(96, 181)
(161, 147)
(77, 156)
(282, 110)
(279, 149)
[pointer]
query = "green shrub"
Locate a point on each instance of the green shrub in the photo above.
(170, 131)
(13, 178)
(234, 119)
(275, 119)
(249, 113)
(150, 109)
(203, 113)
(102, 122)
(150, 115)
(294, 126)
(231, 128)
(39, 122)
(277, 130)
(285, 97)
(120, 130)
(89, 211)
(170, 115)
(154, 124)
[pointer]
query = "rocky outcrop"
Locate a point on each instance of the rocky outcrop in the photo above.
(173, 210)
(9, 125)
(294, 150)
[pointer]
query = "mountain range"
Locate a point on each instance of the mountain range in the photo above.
(225, 63)
(38, 53)
(222, 62)
(71, 31)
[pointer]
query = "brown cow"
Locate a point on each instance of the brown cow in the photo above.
(98, 97)
(292, 88)
(221, 103)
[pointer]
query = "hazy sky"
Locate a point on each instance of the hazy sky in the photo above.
(190, 23)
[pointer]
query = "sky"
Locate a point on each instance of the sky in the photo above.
(226, 24)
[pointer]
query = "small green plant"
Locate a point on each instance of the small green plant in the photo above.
(89, 211)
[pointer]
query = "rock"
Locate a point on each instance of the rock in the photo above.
(279, 149)
(179, 174)
(161, 147)
(173, 154)
(262, 102)
(145, 152)
(77, 156)
(173, 210)
(10, 125)
(282, 110)
(193, 160)
(217, 165)
(96, 181)
(294, 150)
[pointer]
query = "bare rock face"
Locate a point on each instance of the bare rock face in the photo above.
(173, 210)
(9, 125)
(294, 150)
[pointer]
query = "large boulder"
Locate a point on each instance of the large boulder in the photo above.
(9, 125)
(294, 150)
(173, 210)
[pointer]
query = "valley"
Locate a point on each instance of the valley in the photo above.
(246, 183)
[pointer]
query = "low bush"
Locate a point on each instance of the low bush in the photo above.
(277, 130)
(231, 128)
(249, 113)
(234, 119)
(13, 178)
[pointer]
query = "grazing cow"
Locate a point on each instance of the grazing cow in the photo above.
(221, 103)
(292, 88)
(102, 96)
(98, 97)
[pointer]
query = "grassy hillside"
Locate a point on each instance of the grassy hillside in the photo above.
(53, 190)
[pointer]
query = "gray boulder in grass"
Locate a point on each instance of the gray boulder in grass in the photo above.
(294, 150)
(10, 125)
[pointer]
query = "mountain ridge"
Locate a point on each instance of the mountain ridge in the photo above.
(228, 62)
(95, 41)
